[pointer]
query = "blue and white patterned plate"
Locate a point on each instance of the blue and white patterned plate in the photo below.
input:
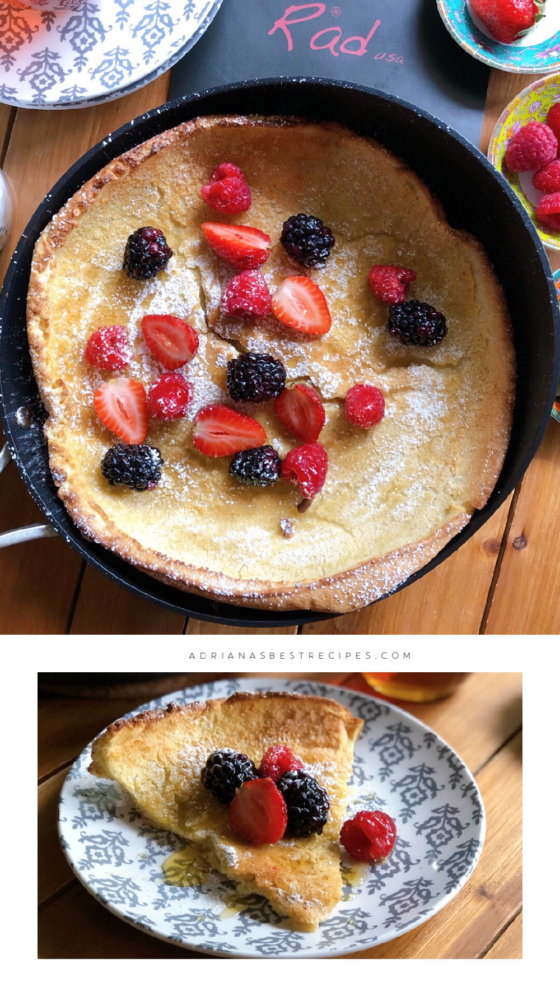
(98, 52)
(401, 767)
(537, 52)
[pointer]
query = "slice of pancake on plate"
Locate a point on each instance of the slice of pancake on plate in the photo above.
(158, 758)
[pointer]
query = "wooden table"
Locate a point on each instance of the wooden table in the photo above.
(482, 722)
(506, 579)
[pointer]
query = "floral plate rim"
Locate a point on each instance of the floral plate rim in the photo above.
(498, 144)
(356, 701)
(158, 68)
(457, 20)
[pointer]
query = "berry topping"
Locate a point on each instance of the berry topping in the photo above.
(247, 294)
(301, 411)
(390, 283)
(548, 211)
(169, 397)
(364, 405)
(243, 247)
(534, 146)
(221, 431)
(308, 803)
(277, 761)
(369, 836)
(547, 179)
(146, 253)
(137, 467)
(508, 20)
(255, 377)
(170, 340)
(228, 192)
(108, 348)
(258, 812)
(553, 119)
(259, 467)
(301, 304)
(416, 324)
(225, 771)
(307, 467)
(307, 240)
(121, 406)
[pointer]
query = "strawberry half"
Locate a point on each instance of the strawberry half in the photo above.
(170, 340)
(121, 406)
(301, 304)
(301, 411)
(221, 431)
(244, 247)
(259, 812)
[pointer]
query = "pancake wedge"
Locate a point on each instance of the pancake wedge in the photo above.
(158, 757)
(395, 494)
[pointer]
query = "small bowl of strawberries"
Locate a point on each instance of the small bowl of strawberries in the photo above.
(525, 148)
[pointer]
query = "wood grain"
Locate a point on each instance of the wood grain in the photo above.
(196, 627)
(104, 607)
(527, 594)
(54, 871)
(510, 944)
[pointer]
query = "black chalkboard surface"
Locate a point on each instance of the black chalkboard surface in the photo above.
(398, 46)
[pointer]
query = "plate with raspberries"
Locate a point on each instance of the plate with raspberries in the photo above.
(410, 838)
(518, 36)
(525, 148)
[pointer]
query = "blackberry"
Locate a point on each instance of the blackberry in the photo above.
(259, 467)
(255, 377)
(307, 240)
(416, 323)
(146, 253)
(308, 803)
(136, 466)
(224, 771)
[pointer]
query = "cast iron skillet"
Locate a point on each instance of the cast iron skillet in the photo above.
(474, 196)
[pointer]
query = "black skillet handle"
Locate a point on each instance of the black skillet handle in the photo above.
(26, 533)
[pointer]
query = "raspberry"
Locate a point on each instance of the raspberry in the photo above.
(259, 467)
(553, 119)
(225, 771)
(547, 179)
(307, 240)
(255, 377)
(308, 803)
(277, 761)
(108, 348)
(307, 467)
(390, 283)
(548, 211)
(534, 146)
(364, 405)
(228, 192)
(247, 294)
(146, 253)
(369, 836)
(169, 397)
(137, 467)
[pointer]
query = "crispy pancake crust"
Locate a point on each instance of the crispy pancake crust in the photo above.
(395, 495)
(158, 757)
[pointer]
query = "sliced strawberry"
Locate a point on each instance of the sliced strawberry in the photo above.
(259, 812)
(221, 431)
(301, 304)
(170, 340)
(244, 247)
(121, 406)
(301, 411)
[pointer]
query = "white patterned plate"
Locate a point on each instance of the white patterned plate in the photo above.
(401, 767)
(98, 52)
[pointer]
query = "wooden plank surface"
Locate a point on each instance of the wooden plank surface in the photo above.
(479, 588)
(482, 721)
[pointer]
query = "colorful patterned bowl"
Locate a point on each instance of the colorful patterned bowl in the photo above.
(538, 52)
(531, 104)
